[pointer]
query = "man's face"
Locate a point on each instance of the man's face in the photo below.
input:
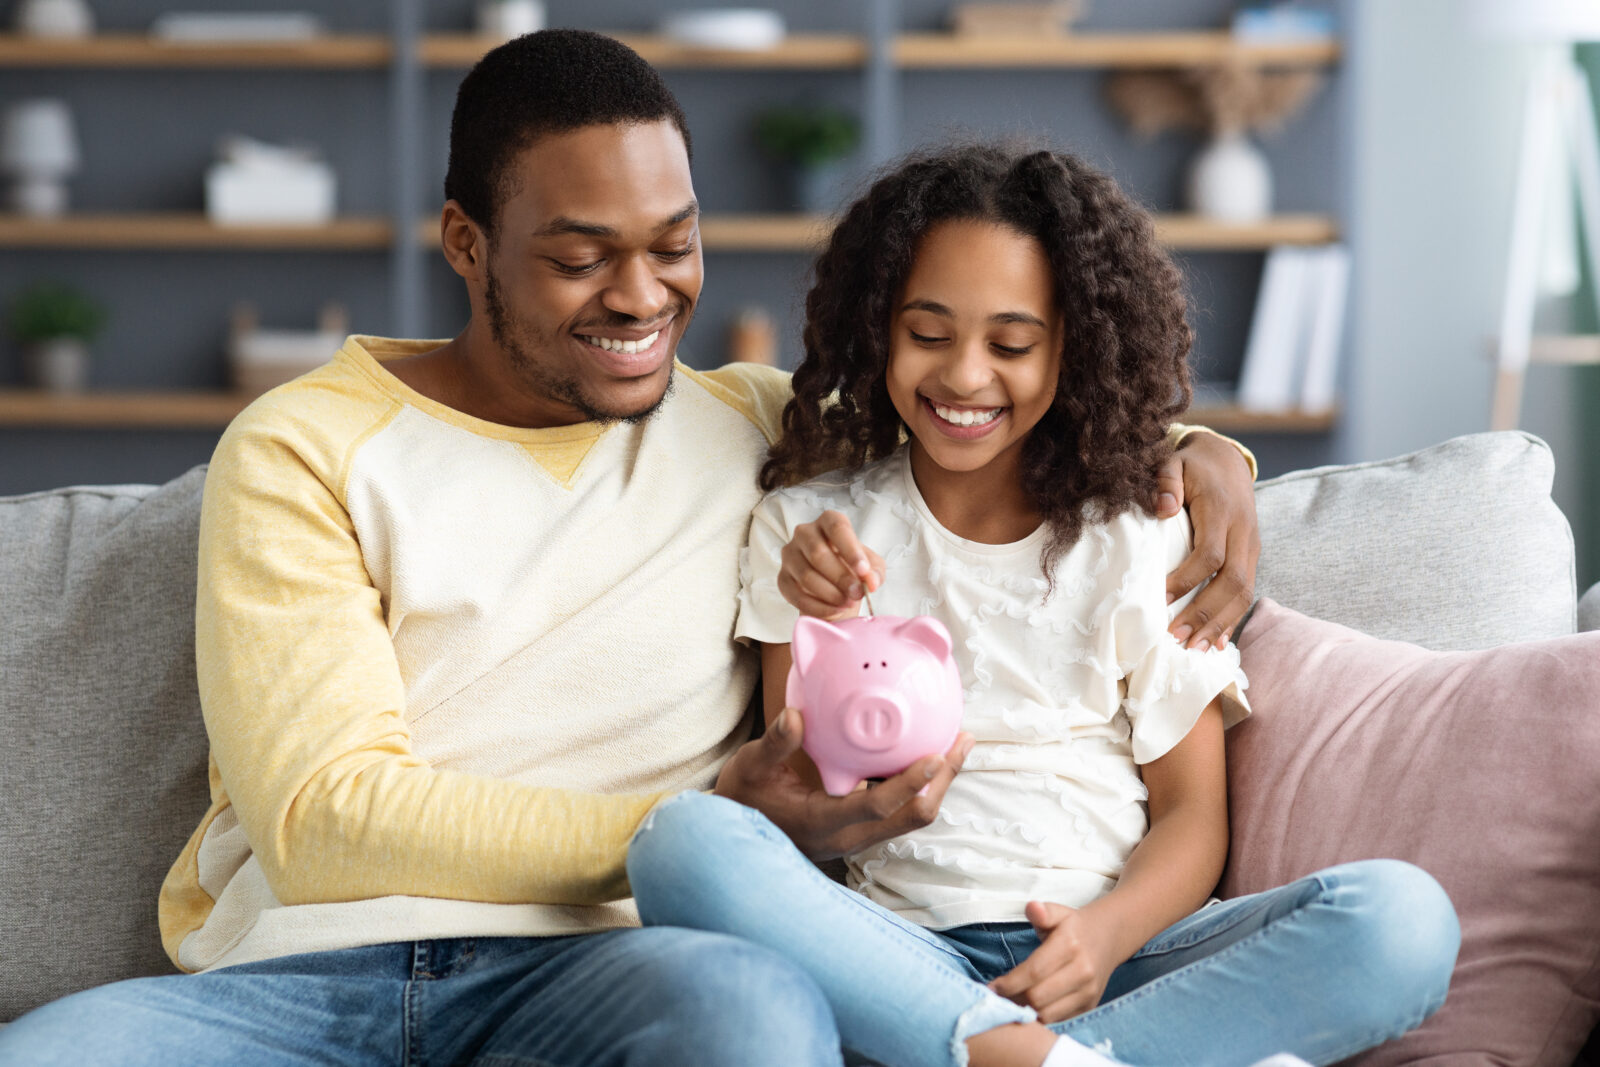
(594, 270)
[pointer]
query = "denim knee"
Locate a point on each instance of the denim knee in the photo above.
(679, 862)
(1401, 923)
(718, 1000)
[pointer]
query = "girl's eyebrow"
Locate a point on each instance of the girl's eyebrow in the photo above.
(1002, 318)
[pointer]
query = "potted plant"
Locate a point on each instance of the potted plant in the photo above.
(811, 141)
(54, 324)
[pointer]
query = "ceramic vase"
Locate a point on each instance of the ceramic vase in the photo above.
(59, 365)
(1230, 180)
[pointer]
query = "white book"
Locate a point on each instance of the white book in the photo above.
(1325, 330)
(1268, 375)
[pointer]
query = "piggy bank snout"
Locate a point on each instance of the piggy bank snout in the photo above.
(875, 720)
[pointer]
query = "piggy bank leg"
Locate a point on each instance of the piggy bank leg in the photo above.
(837, 782)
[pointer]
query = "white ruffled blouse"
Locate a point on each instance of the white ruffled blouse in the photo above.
(1065, 694)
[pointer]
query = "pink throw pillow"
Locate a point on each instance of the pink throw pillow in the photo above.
(1482, 768)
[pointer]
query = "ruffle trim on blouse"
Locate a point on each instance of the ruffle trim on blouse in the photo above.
(967, 863)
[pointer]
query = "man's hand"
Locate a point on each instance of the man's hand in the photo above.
(1210, 476)
(1067, 973)
(821, 826)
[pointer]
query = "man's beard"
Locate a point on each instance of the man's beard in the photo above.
(565, 390)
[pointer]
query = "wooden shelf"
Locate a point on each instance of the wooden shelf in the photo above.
(214, 410)
(1125, 50)
(117, 410)
(188, 231)
(1229, 418)
(807, 233)
(1194, 233)
(795, 52)
(141, 50)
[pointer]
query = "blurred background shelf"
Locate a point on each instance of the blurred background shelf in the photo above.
(795, 52)
(181, 230)
(120, 410)
(142, 50)
(1124, 50)
(807, 233)
(197, 409)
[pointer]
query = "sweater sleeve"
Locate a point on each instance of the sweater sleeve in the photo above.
(303, 700)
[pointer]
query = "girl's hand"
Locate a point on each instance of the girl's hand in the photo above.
(1068, 972)
(825, 570)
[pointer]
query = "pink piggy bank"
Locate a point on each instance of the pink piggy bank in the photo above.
(877, 695)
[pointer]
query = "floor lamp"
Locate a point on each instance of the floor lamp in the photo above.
(1559, 155)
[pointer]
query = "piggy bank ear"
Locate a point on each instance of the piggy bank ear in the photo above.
(927, 632)
(811, 636)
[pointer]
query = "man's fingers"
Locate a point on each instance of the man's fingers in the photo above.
(782, 738)
(1169, 488)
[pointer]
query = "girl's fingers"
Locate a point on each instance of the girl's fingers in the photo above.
(817, 554)
(842, 536)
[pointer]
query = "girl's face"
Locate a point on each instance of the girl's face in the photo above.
(974, 346)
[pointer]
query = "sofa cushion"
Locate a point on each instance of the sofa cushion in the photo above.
(105, 774)
(1456, 546)
(1483, 768)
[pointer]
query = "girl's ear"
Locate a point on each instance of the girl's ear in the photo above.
(811, 637)
(927, 632)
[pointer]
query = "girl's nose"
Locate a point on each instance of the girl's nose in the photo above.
(968, 369)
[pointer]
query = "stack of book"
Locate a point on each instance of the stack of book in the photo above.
(1291, 360)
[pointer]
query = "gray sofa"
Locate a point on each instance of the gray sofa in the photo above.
(105, 775)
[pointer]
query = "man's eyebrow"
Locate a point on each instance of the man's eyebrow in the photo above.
(562, 224)
(1004, 318)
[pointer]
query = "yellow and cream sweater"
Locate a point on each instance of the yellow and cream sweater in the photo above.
(447, 665)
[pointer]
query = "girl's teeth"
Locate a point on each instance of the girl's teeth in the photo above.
(967, 418)
(628, 348)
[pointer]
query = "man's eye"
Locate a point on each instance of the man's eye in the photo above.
(575, 269)
(673, 255)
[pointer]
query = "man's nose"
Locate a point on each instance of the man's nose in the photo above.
(635, 290)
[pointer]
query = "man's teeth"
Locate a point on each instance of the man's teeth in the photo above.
(968, 417)
(611, 344)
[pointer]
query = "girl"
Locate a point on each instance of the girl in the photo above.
(995, 347)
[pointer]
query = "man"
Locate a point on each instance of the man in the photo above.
(464, 617)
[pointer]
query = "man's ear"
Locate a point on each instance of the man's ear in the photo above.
(465, 245)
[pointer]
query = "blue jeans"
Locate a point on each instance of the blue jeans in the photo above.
(635, 997)
(1324, 967)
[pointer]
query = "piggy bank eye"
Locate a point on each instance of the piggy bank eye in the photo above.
(885, 663)
(864, 666)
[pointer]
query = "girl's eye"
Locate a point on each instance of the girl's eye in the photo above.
(921, 340)
(576, 269)
(1010, 351)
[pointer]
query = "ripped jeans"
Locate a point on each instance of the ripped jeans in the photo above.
(1324, 967)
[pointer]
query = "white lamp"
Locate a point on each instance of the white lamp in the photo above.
(39, 147)
(1560, 152)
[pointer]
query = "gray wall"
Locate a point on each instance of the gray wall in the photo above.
(1435, 117)
(149, 134)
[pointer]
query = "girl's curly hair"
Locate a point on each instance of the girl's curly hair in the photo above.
(1124, 372)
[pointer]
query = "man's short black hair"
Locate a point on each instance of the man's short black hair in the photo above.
(553, 81)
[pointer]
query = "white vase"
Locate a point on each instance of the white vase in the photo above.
(59, 365)
(55, 18)
(1230, 180)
